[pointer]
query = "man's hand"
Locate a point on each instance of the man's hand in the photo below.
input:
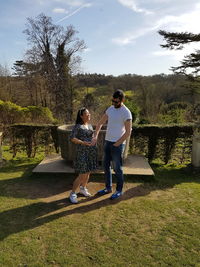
(116, 144)
(94, 141)
(103, 119)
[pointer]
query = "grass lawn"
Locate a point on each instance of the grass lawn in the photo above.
(155, 223)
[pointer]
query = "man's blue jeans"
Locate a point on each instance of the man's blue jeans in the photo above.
(113, 154)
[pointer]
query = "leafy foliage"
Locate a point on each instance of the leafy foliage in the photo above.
(38, 114)
(11, 113)
(175, 112)
(149, 94)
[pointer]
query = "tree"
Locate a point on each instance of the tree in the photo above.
(190, 65)
(177, 41)
(27, 74)
(4, 71)
(5, 83)
(53, 50)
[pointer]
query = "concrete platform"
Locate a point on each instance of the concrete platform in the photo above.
(134, 165)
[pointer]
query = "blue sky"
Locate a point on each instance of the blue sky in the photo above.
(121, 35)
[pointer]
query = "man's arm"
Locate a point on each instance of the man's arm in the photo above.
(103, 120)
(128, 129)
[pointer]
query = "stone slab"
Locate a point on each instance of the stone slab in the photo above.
(134, 165)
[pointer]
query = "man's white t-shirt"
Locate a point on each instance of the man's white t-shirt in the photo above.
(116, 122)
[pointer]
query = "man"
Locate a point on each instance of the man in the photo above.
(119, 128)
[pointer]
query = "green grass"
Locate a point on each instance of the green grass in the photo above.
(156, 223)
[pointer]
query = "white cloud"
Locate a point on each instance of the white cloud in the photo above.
(186, 22)
(73, 3)
(132, 5)
(177, 54)
(60, 10)
(131, 36)
(86, 50)
(20, 43)
(74, 12)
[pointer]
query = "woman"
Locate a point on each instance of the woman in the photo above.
(86, 154)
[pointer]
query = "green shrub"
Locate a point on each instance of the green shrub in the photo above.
(134, 109)
(38, 114)
(175, 112)
(9, 112)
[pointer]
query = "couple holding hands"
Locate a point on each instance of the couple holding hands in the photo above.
(119, 126)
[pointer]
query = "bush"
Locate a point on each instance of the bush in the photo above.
(163, 141)
(134, 109)
(175, 112)
(11, 113)
(29, 137)
(38, 114)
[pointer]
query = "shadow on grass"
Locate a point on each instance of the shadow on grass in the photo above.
(34, 186)
(34, 215)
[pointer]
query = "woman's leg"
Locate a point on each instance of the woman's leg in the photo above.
(83, 188)
(78, 182)
(85, 179)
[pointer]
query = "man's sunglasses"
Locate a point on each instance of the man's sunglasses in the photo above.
(116, 102)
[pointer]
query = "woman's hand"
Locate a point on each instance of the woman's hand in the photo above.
(86, 143)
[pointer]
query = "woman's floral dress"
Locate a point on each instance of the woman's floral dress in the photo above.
(86, 156)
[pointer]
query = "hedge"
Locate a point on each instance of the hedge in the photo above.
(167, 142)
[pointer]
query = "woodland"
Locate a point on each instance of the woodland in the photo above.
(157, 99)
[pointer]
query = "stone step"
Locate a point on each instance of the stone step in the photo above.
(134, 165)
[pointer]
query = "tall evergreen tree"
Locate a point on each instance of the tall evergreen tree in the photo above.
(190, 65)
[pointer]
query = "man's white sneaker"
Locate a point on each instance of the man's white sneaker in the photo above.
(73, 198)
(84, 191)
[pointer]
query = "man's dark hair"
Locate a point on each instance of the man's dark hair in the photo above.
(119, 94)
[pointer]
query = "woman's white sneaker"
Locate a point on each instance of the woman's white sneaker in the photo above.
(73, 198)
(84, 191)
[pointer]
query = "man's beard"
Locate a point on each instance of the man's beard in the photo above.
(117, 106)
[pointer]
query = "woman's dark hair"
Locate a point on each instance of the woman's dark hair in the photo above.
(119, 94)
(79, 114)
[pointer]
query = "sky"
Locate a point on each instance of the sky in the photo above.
(121, 35)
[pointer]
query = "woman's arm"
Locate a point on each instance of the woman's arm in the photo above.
(80, 142)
